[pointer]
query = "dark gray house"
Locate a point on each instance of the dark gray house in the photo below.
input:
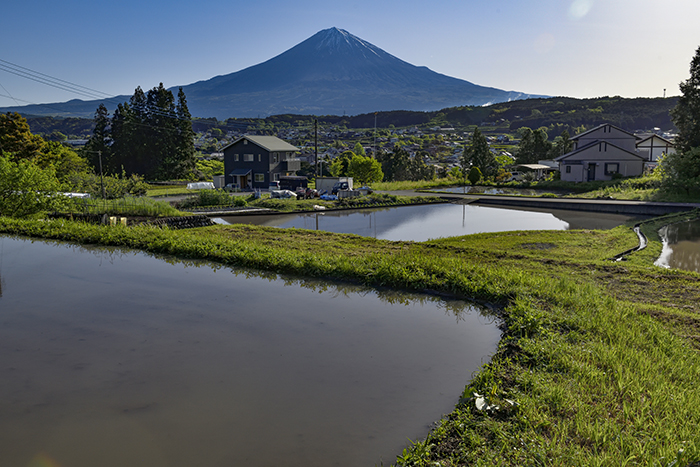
(255, 161)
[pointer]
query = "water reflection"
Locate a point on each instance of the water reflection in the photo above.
(112, 357)
(425, 222)
(488, 190)
(681, 246)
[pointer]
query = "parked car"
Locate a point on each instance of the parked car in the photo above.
(339, 186)
(515, 176)
(274, 186)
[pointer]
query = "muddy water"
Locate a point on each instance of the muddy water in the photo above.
(116, 358)
(681, 246)
(420, 223)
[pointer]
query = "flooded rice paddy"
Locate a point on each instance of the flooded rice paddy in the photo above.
(117, 358)
(681, 246)
(425, 222)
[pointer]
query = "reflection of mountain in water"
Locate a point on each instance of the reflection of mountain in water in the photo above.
(425, 222)
(681, 248)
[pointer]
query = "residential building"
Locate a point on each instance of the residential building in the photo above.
(606, 150)
(254, 161)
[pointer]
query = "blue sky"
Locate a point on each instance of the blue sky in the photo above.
(577, 48)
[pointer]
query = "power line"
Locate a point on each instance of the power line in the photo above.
(51, 81)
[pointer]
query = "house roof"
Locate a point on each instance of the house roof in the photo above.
(240, 172)
(536, 166)
(601, 126)
(664, 140)
(269, 143)
(593, 144)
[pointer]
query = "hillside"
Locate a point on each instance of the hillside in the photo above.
(562, 112)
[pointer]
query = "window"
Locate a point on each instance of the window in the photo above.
(276, 177)
(568, 169)
(259, 158)
(259, 178)
(275, 157)
(612, 168)
(248, 157)
(235, 157)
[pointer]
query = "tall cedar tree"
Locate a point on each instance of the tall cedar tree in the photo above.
(686, 114)
(150, 135)
(99, 146)
(478, 154)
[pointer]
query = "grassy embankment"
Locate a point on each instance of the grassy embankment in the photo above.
(598, 364)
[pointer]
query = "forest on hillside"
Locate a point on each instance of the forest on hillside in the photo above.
(555, 112)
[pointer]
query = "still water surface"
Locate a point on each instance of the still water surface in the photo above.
(681, 246)
(424, 222)
(116, 358)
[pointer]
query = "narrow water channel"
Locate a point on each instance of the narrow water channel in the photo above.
(115, 358)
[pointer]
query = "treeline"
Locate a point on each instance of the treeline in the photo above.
(150, 136)
(556, 112)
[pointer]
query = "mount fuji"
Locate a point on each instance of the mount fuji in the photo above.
(331, 73)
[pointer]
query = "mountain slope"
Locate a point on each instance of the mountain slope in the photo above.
(334, 72)
(331, 73)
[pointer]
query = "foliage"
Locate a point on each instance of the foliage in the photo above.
(533, 146)
(151, 135)
(114, 186)
(339, 166)
(398, 165)
(681, 171)
(478, 154)
(365, 170)
(208, 198)
(474, 175)
(686, 114)
(27, 189)
(206, 169)
(126, 206)
(17, 141)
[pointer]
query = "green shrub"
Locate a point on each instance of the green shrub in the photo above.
(207, 198)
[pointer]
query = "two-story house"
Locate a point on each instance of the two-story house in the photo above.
(600, 153)
(255, 161)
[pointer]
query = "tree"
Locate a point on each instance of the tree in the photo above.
(474, 175)
(686, 114)
(359, 149)
(478, 154)
(16, 139)
(26, 188)
(365, 170)
(339, 166)
(533, 146)
(681, 171)
(98, 148)
(562, 145)
(151, 135)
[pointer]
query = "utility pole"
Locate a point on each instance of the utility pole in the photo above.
(374, 151)
(316, 146)
(102, 181)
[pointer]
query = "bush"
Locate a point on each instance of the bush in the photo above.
(115, 187)
(208, 198)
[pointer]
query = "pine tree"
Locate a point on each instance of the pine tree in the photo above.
(98, 147)
(686, 114)
(478, 154)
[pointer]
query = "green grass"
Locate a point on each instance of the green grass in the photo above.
(169, 190)
(372, 200)
(598, 363)
(128, 206)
